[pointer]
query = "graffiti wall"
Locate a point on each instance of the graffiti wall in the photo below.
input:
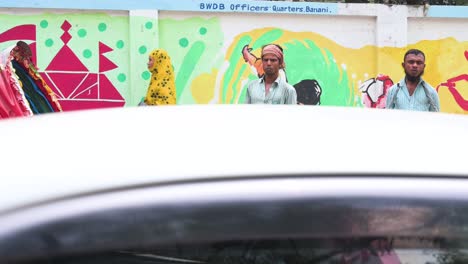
(85, 58)
(217, 59)
(98, 59)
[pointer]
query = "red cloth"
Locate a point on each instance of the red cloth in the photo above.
(9, 105)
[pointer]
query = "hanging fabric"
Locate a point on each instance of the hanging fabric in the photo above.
(9, 106)
(44, 99)
(50, 95)
(37, 100)
(12, 100)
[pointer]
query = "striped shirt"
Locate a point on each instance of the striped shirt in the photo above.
(398, 97)
(280, 92)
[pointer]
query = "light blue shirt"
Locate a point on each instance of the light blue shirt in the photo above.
(280, 92)
(398, 97)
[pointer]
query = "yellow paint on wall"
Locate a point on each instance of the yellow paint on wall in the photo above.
(450, 105)
(445, 59)
(201, 88)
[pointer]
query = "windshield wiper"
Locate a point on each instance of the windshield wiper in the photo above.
(155, 257)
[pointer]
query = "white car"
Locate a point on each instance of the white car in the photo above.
(234, 184)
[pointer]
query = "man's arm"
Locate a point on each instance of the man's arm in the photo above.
(291, 95)
(436, 100)
(248, 99)
(389, 102)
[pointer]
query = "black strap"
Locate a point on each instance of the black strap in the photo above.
(432, 105)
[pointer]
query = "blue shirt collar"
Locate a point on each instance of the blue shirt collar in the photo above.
(403, 83)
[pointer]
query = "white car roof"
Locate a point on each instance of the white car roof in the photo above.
(55, 155)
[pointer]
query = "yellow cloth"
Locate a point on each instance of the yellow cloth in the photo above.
(161, 90)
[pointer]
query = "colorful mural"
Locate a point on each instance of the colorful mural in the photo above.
(307, 57)
(322, 71)
(75, 85)
(94, 60)
(195, 46)
(84, 58)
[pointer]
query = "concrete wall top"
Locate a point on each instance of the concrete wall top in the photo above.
(312, 8)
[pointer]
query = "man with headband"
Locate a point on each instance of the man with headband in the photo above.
(271, 88)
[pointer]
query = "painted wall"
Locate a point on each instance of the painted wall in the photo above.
(336, 54)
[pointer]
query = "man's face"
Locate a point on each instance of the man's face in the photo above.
(271, 64)
(414, 66)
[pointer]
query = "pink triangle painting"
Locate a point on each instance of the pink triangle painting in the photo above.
(22, 32)
(72, 62)
(81, 89)
(64, 83)
(76, 87)
(104, 63)
(88, 88)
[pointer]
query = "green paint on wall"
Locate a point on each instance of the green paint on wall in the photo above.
(237, 54)
(188, 65)
(87, 53)
(234, 86)
(203, 30)
(144, 32)
(142, 49)
(146, 75)
(308, 62)
(82, 33)
(120, 44)
(149, 25)
(172, 31)
(244, 89)
(122, 77)
(44, 24)
(49, 43)
(343, 94)
(183, 42)
(267, 38)
(102, 27)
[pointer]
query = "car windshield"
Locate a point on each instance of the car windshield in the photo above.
(364, 86)
(371, 250)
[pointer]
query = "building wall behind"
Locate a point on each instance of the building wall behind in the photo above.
(335, 54)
